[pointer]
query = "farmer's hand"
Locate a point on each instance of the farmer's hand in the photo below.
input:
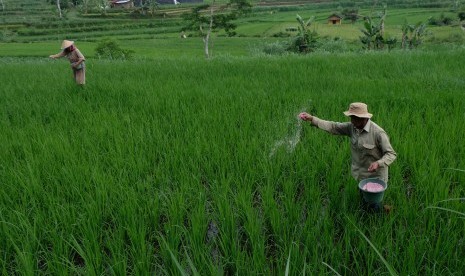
(373, 167)
(305, 116)
(52, 56)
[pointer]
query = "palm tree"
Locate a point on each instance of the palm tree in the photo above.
(306, 39)
(372, 34)
(412, 35)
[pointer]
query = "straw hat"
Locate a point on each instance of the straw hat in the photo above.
(359, 110)
(66, 43)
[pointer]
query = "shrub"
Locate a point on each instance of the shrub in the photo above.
(281, 34)
(333, 46)
(275, 48)
(350, 14)
(461, 15)
(109, 49)
(441, 21)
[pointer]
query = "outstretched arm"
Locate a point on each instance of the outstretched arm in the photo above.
(328, 126)
(59, 55)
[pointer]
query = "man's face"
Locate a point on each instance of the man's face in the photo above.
(358, 122)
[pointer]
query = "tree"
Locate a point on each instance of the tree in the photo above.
(412, 35)
(146, 6)
(306, 39)
(373, 34)
(456, 5)
(350, 14)
(151, 5)
(3, 5)
(59, 8)
(103, 6)
(85, 5)
(209, 18)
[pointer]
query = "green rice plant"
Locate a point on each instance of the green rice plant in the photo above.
(166, 157)
(388, 266)
(287, 264)
(451, 199)
(332, 269)
(447, 209)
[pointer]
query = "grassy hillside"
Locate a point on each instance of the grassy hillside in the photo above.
(160, 37)
(39, 21)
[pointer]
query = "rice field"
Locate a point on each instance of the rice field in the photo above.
(196, 167)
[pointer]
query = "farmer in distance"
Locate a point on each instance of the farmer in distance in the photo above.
(75, 57)
(371, 150)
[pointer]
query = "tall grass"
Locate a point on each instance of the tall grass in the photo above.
(164, 166)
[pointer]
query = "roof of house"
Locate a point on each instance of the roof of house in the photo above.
(121, 1)
(335, 15)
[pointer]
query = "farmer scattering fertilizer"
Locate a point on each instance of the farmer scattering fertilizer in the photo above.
(76, 58)
(371, 149)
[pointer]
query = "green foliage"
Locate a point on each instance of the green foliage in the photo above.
(220, 18)
(195, 20)
(147, 7)
(84, 6)
(350, 14)
(461, 15)
(374, 37)
(110, 49)
(276, 48)
(102, 6)
(34, 21)
(7, 36)
(443, 20)
(413, 35)
(281, 34)
(208, 18)
(333, 46)
(306, 40)
(64, 4)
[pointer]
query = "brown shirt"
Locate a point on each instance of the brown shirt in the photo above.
(367, 145)
(73, 56)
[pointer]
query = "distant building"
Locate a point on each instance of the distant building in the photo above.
(334, 19)
(139, 3)
(176, 2)
(123, 4)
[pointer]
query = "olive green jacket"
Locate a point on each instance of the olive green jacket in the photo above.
(367, 145)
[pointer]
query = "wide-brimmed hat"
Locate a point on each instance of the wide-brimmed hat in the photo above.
(66, 43)
(359, 110)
